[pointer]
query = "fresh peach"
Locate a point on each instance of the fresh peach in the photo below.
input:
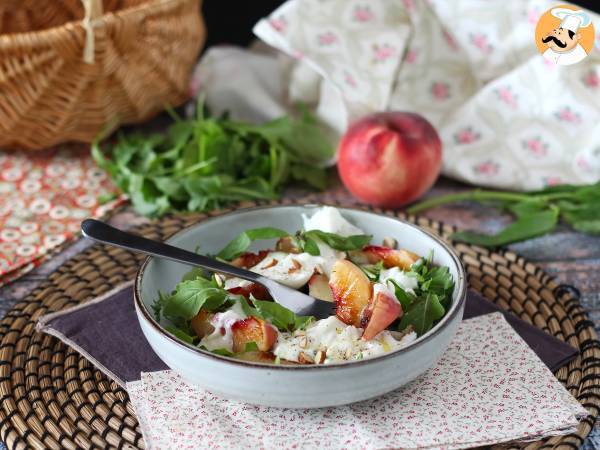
(381, 313)
(253, 329)
(351, 291)
(390, 158)
(201, 323)
(391, 258)
(318, 287)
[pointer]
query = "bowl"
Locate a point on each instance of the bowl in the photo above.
(295, 386)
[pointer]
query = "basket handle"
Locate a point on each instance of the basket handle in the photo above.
(93, 10)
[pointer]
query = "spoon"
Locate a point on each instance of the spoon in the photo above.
(292, 299)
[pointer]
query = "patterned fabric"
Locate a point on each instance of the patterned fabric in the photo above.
(44, 196)
(488, 387)
(507, 117)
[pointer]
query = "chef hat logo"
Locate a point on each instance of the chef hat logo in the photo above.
(565, 34)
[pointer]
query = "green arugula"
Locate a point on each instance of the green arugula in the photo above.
(335, 241)
(179, 333)
(536, 213)
(191, 295)
(428, 304)
(281, 317)
(204, 163)
(243, 240)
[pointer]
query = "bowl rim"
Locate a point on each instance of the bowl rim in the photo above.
(454, 310)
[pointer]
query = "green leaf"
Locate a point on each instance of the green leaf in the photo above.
(278, 315)
(422, 314)
(191, 295)
(311, 247)
(526, 227)
(180, 334)
(241, 243)
(403, 297)
(251, 347)
(218, 351)
(338, 242)
(158, 305)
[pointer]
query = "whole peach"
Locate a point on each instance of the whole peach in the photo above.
(389, 159)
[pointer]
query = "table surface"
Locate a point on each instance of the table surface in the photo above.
(569, 256)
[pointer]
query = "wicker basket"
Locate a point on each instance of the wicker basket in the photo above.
(71, 69)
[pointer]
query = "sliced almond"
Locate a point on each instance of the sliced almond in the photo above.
(270, 264)
(303, 342)
(296, 266)
(320, 357)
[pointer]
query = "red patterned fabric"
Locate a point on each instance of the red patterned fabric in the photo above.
(43, 198)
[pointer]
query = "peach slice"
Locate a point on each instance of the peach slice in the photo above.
(318, 287)
(201, 323)
(253, 329)
(391, 258)
(258, 291)
(351, 291)
(247, 260)
(382, 311)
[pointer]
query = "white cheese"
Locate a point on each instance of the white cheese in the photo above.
(293, 270)
(384, 288)
(339, 341)
(330, 220)
(221, 338)
(406, 280)
(231, 283)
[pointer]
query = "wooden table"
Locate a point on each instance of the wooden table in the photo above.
(571, 257)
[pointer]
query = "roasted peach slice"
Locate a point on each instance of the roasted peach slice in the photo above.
(258, 291)
(351, 291)
(382, 311)
(318, 287)
(391, 258)
(253, 329)
(201, 323)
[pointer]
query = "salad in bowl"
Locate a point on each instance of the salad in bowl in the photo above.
(383, 296)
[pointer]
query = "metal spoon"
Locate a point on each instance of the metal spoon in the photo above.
(292, 299)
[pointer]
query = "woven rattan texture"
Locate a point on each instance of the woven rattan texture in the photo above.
(143, 51)
(51, 397)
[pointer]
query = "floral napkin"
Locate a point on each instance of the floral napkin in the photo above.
(489, 387)
(507, 117)
(44, 196)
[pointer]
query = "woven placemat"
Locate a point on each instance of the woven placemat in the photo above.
(51, 397)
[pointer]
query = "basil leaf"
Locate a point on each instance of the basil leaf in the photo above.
(241, 243)
(422, 314)
(279, 316)
(526, 227)
(338, 242)
(311, 247)
(191, 295)
(180, 334)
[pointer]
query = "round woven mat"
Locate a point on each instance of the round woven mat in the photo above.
(51, 397)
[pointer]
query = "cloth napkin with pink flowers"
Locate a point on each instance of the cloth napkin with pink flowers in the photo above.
(489, 387)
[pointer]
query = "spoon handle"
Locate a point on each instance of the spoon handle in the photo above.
(106, 234)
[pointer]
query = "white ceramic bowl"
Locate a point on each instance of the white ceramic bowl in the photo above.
(302, 386)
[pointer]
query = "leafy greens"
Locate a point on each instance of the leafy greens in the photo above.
(204, 163)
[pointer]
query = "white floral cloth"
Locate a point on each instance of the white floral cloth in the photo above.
(488, 387)
(507, 117)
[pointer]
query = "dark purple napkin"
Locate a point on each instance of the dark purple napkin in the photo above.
(107, 332)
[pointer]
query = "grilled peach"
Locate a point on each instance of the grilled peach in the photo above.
(253, 329)
(258, 291)
(351, 291)
(318, 287)
(201, 323)
(391, 258)
(382, 311)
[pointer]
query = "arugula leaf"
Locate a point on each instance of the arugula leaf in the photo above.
(251, 347)
(278, 315)
(204, 163)
(311, 247)
(422, 314)
(525, 227)
(338, 242)
(372, 271)
(241, 243)
(218, 351)
(403, 297)
(158, 305)
(191, 295)
(177, 332)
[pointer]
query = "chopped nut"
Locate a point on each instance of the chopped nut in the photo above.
(219, 279)
(303, 342)
(287, 244)
(270, 264)
(348, 353)
(303, 358)
(320, 357)
(300, 333)
(297, 266)
(390, 242)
